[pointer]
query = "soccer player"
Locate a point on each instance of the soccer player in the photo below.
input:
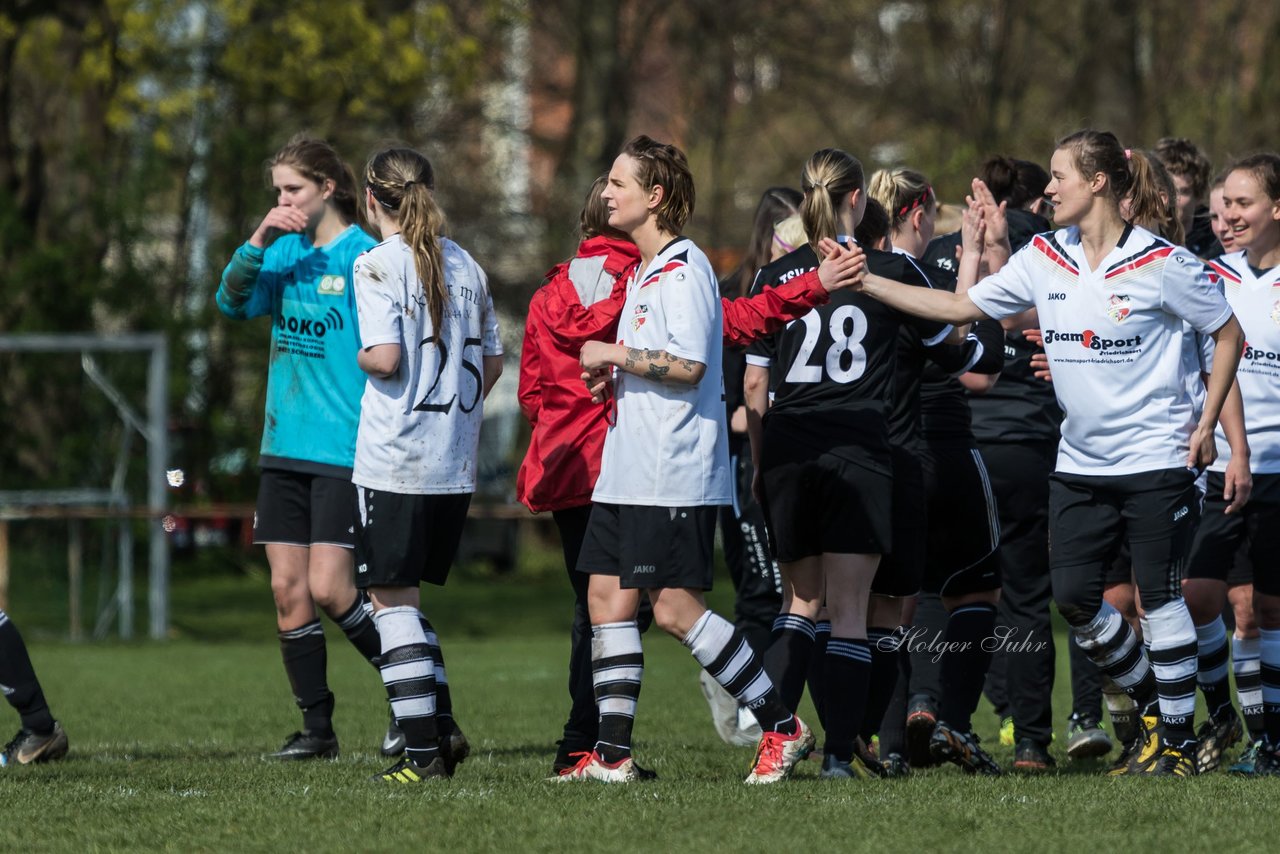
(296, 268)
(1251, 276)
(664, 471)
(582, 301)
(40, 738)
(430, 346)
(1191, 170)
(961, 563)
(1116, 303)
(823, 457)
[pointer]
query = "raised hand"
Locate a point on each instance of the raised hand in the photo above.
(1039, 361)
(993, 216)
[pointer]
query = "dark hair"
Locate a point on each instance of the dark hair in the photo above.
(661, 165)
(1265, 169)
(901, 191)
(1018, 182)
(828, 176)
(1094, 151)
(594, 219)
(1184, 159)
(776, 204)
(1153, 198)
(874, 226)
(317, 161)
(401, 181)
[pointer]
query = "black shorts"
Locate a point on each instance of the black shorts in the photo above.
(651, 547)
(296, 509)
(1242, 547)
(404, 540)
(901, 570)
(1155, 513)
(964, 524)
(824, 504)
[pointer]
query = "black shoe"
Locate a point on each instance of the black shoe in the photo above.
(868, 758)
(454, 748)
(393, 741)
(1215, 737)
(409, 772)
(27, 747)
(922, 717)
(961, 748)
(896, 765)
(305, 745)
(1032, 757)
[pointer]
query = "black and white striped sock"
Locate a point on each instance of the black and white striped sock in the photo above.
(409, 675)
(444, 701)
(1213, 654)
(306, 665)
(1246, 663)
(1174, 662)
(357, 624)
(617, 669)
(1111, 644)
(723, 652)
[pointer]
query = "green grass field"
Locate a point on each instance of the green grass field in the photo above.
(166, 740)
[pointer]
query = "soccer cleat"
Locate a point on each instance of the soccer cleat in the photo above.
(778, 754)
(1006, 731)
(305, 745)
(1086, 739)
(922, 717)
(1139, 752)
(454, 748)
(961, 748)
(407, 772)
(1245, 765)
(854, 769)
(1215, 736)
(867, 757)
(393, 741)
(1267, 761)
(726, 714)
(1173, 761)
(895, 765)
(1031, 757)
(591, 766)
(28, 748)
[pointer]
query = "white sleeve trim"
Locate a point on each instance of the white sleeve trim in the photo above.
(759, 361)
(940, 337)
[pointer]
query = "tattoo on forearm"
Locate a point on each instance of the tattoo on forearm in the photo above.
(657, 372)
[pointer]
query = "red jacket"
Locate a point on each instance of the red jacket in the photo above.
(563, 461)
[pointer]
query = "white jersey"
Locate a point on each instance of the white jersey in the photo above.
(420, 427)
(1256, 301)
(1119, 349)
(669, 446)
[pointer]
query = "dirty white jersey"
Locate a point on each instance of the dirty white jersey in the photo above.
(1117, 343)
(669, 444)
(420, 427)
(1256, 302)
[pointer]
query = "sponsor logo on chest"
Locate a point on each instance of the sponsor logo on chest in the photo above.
(332, 286)
(1091, 340)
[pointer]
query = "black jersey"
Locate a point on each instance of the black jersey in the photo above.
(940, 254)
(840, 355)
(1020, 407)
(944, 403)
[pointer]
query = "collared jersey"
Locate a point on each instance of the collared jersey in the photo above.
(1256, 302)
(1116, 342)
(669, 445)
(313, 384)
(841, 354)
(420, 427)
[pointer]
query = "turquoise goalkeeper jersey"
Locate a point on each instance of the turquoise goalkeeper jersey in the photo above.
(313, 383)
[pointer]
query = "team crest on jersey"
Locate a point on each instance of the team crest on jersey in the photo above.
(1275, 313)
(333, 286)
(638, 316)
(1118, 307)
